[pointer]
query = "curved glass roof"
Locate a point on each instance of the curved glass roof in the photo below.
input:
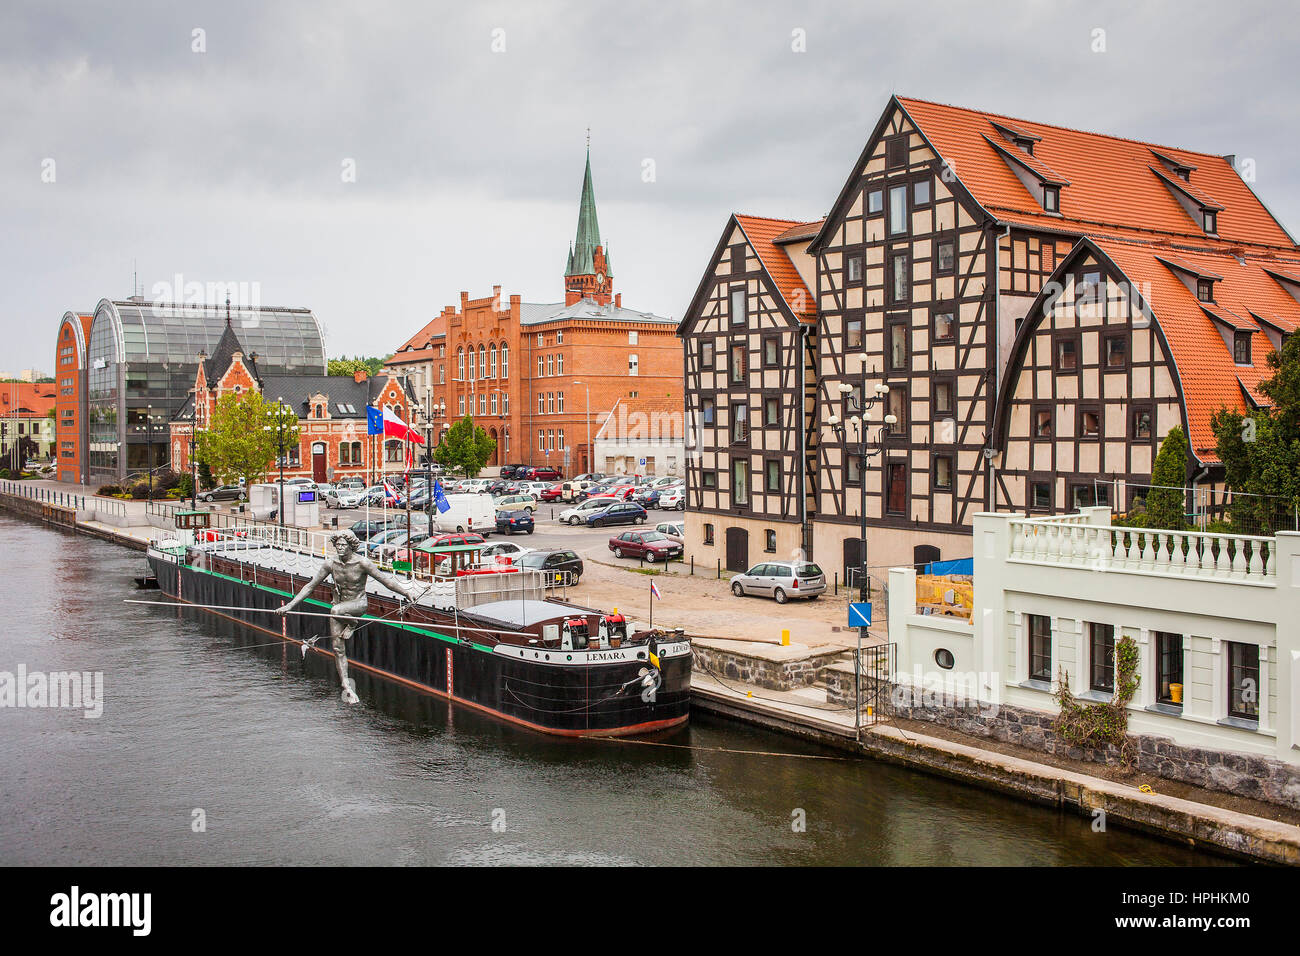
(284, 339)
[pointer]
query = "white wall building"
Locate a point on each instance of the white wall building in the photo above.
(641, 436)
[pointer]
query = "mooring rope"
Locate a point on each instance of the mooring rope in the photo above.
(723, 750)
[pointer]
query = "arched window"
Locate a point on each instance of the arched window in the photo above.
(505, 361)
(320, 411)
(460, 363)
(482, 361)
(492, 361)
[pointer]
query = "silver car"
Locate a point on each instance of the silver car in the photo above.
(781, 580)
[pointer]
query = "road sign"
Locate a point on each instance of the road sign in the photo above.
(860, 614)
(640, 461)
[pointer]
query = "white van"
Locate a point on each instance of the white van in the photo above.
(469, 512)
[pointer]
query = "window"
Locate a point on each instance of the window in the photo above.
(769, 541)
(739, 314)
(1241, 348)
(1067, 355)
(1089, 423)
(943, 398)
(1040, 646)
(1051, 199)
(921, 192)
(1243, 680)
(482, 362)
(855, 269)
(505, 403)
(1089, 296)
(541, 340)
(559, 364)
(896, 500)
(541, 366)
(709, 479)
(708, 530)
(853, 331)
(482, 403)
(896, 152)
(1210, 220)
(505, 361)
(771, 411)
(1141, 424)
(898, 346)
(852, 470)
(1085, 496)
(706, 354)
(1205, 290)
(943, 473)
(494, 403)
(740, 482)
(900, 285)
(771, 351)
(462, 406)
(1101, 641)
(1169, 667)
(550, 403)
(541, 440)
(560, 436)
(460, 364)
(772, 471)
(1116, 351)
(633, 364)
(875, 202)
(944, 327)
(550, 439)
(550, 365)
(559, 338)
(541, 403)
(559, 402)
(442, 374)
(945, 256)
(739, 363)
(1040, 495)
(896, 405)
(1043, 422)
(392, 452)
(739, 422)
(707, 409)
(898, 210)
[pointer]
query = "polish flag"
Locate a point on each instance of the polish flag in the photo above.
(396, 428)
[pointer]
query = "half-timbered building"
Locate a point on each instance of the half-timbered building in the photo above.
(1034, 306)
(749, 341)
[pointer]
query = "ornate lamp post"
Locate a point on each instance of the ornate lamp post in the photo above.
(147, 430)
(590, 456)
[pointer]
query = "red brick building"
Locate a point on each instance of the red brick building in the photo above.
(70, 381)
(541, 377)
(332, 440)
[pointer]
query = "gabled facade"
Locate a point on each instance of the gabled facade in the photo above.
(749, 346)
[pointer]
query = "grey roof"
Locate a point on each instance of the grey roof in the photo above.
(297, 391)
(536, 313)
(522, 613)
(217, 364)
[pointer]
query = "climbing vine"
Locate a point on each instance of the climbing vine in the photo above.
(1087, 724)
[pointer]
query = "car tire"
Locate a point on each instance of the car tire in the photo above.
(207, 498)
(574, 520)
(737, 590)
(681, 505)
(530, 530)
(639, 519)
(460, 529)
(618, 552)
(651, 557)
(780, 596)
(813, 597)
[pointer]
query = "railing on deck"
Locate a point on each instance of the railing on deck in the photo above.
(1228, 557)
(53, 496)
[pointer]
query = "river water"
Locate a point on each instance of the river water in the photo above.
(218, 745)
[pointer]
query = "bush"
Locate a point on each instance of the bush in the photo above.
(109, 490)
(166, 480)
(140, 492)
(185, 485)
(4, 473)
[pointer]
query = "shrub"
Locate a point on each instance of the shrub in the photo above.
(185, 485)
(109, 490)
(140, 492)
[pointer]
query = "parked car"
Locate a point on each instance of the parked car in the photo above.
(364, 529)
(554, 565)
(646, 497)
(505, 549)
(498, 487)
(664, 482)
(543, 473)
(341, 497)
(380, 538)
(674, 529)
(550, 493)
(393, 547)
(356, 484)
(578, 513)
(454, 540)
(509, 471)
(781, 580)
(515, 503)
(650, 545)
(621, 512)
(225, 493)
(674, 499)
(514, 522)
(591, 476)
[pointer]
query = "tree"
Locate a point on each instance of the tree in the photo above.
(348, 366)
(465, 448)
(241, 442)
(1166, 504)
(1260, 451)
(206, 481)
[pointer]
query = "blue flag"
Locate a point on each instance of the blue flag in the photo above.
(374, 421)
(440, 499)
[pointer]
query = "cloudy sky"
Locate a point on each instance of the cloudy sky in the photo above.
(465, 124)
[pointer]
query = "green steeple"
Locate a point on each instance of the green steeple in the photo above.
(581, 261)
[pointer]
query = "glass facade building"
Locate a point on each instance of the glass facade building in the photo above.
(142, 359)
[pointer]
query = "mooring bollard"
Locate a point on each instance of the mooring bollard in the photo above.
(785, 637)
(837, 582)
(719, 569)
(692, 565)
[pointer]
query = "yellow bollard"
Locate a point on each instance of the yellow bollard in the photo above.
(785, 637)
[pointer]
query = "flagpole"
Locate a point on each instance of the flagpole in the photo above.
(652, 605)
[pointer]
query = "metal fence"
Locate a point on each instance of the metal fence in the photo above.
(1205, 508)
(40, 493)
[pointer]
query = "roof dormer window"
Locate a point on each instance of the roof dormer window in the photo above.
(1210, 221)
(1205, 290)
(1051, 198)
(1241, 348)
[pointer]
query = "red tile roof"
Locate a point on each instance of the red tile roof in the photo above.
(1113, 189)
(27, 399)
(1209, 377)
(762, 234)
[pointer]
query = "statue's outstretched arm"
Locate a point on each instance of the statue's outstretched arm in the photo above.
(321, 574)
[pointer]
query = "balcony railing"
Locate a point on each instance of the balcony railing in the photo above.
(1068, 540)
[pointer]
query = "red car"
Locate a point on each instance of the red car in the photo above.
(652, 545)
(544, 473)
(453, 539)
(552, 493)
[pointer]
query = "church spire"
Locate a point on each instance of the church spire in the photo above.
(587, 274)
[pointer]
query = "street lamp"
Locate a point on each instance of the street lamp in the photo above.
(148, 433)
(587, 388)
(279, 429)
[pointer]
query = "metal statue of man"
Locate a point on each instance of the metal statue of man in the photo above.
(349, 571)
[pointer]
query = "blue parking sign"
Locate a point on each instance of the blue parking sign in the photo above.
(860, 614)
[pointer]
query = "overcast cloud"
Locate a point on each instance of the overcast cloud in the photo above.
(226, 165)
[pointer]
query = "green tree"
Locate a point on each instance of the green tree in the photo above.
(241, 441)
(1166, 503)
(206, 481)
(465, 448)
(348, 366)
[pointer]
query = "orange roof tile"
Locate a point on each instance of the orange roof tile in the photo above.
(1209, 377)
(762, 233)
(1113, 189)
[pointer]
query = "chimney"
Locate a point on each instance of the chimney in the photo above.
(360, 375)
(618, 300)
